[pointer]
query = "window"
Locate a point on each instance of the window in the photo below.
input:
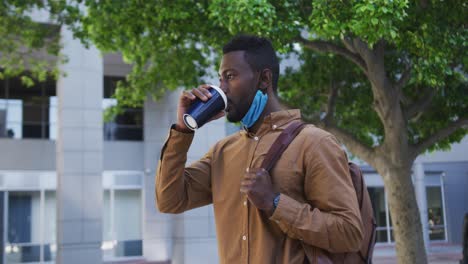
(122, 215)
(377, 197)
(435, 209)
(50, 226)
(27, 112)
(23, 229)
(435, 213)
(30, 226)
(126, 126)
(122, 226)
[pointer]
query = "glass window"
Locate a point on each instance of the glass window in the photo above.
(392, 235)
(126, 126)
(26, 237)
(106, 217)
(122, 217)
(436, 224)
(25, 111)
(435, 213)
(377, 196)
(23, 231)
(23, 217)
(128, 229)
(50, 226)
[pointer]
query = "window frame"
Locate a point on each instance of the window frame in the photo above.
(44, 181)
(48, 89)
(109, 86)
(374, 180)
(42, 243)
(112, 181)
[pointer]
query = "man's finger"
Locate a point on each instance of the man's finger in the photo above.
(261, 172)
(205, 91)
(247, 182)
(188, 94)
(257, 170)
(199, 94)
(250, 176)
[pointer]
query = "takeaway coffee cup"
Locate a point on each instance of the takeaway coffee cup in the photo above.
(200, 112)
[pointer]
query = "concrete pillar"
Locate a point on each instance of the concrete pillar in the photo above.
(79, 154)
(420, 188)
(158, 227)
(188, 237)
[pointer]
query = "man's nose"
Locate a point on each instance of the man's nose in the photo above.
(223, 86)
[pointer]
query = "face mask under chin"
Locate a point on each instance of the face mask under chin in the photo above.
(255, 110)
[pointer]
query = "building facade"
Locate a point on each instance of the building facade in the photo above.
(75, 189)
(444, 181)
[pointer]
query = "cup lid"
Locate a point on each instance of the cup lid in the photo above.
(190, 122)
(223, 95)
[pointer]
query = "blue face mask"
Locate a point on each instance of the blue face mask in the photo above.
(256, 109)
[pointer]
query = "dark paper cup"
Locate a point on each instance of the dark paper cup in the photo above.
(200, 112)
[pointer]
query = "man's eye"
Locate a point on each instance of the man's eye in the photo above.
(229, 76)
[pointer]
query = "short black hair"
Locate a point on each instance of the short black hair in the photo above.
(259, 54)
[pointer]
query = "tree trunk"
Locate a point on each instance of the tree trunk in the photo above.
(407, 228)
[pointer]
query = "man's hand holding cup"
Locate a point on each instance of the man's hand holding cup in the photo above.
(200, 106)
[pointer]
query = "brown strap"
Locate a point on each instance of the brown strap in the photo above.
(281, 143)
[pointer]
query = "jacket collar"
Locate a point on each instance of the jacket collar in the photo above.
(275, 120)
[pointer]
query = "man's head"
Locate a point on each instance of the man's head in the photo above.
(249, 64)
(259, 54)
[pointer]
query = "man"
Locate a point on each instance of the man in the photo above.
(304, 211)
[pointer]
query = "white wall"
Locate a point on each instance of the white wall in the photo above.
(458, 152)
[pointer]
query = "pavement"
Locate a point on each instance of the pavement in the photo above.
(438, 253)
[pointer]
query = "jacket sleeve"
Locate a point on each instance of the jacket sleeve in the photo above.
(331, 218)
(179, 188)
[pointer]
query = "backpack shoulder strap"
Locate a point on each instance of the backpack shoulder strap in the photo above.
(281, 143)
(358, 182)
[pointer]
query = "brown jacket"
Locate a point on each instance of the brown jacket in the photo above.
(317, 212)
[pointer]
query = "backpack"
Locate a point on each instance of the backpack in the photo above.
(364, 255)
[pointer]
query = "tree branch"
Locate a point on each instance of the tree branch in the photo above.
(352, 143)
(439, 135)
(362, 49)
(420, 106)
(404, 99)
(324, 46)
(331, 103)
(404, 79)
(348, 42)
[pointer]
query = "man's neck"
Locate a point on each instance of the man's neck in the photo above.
(273, 105)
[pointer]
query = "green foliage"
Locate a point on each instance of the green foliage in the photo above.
(371, 20)
(436, 39)
(256, 16)
(309, 92)
(450, 104)
(173, 44)
(165, 43)
(23, 42)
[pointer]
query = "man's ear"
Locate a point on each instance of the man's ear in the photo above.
(266, 77)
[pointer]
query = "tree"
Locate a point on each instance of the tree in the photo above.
(388, 78)
(26, 45)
